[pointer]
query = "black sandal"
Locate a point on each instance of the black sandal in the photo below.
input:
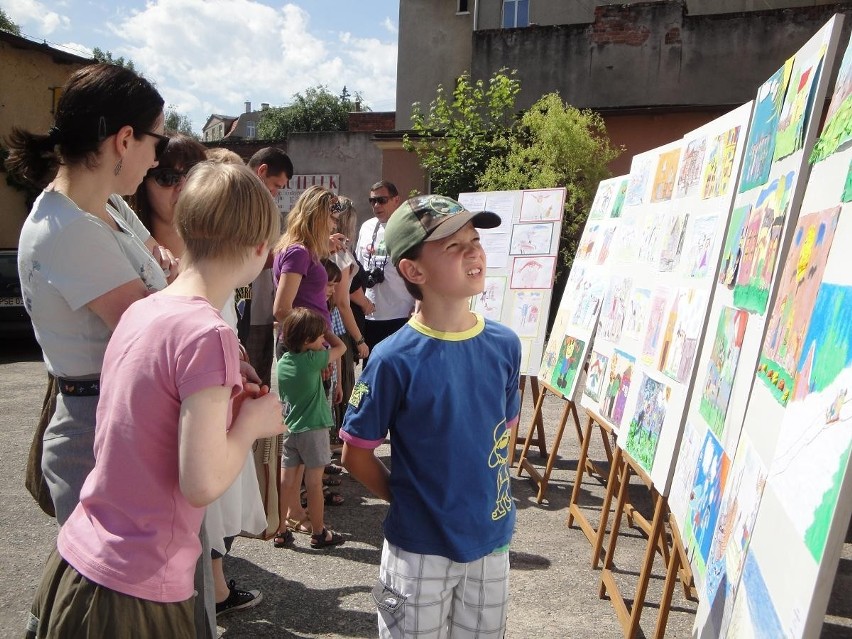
(283, 538)
(321, 539)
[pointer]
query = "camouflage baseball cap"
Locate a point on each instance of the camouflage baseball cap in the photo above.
(425, 218)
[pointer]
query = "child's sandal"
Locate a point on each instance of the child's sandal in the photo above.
(326, 538)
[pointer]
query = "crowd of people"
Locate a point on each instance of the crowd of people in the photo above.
(165, 289)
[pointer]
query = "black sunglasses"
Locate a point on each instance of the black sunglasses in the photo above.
(162, 143)
(166, 178)
(381, 199)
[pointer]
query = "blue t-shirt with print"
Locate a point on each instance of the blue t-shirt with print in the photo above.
(446, 399)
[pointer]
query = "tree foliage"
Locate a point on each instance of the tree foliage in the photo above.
(7, 25)
(178, 122)
(105, 56)
(462, 131)
(555, 144)
(317, 109)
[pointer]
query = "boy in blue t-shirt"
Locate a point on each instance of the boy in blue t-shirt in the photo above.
(446, 387)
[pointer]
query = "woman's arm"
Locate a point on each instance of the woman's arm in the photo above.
(111, 305)
(341, 300)
(288, 286)
(361, 300)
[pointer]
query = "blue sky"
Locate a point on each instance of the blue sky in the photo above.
(210, 56)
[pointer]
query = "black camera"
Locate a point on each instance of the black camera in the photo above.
(376, 276)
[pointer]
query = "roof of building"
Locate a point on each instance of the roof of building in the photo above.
(58, 55)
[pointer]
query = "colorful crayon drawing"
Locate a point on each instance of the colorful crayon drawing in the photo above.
(815, 436)
(674, 232)
(588, 242)
(568, 362)
(700, 238)
(684, 476)
(620, 196)
(664, 178)
(735, 524)
(761, 140)
(732, 253)
(761, 242)
(606, 242)
(643, 433)
(690, 168)
(542, 205)
(527, 312)
(595, 376)
(794, 303)
(838, 122)
(722, 368)
(587, 300)
(797, 101)
(490, 302)
(704, 502)
(720, 164)
(531, 239)
(683, 329)
(640, 173)
(656, 321)
(753, 614)
(551, 350)
(533, 272)
(614, 308)
(637, 313)
(617, 386)
(847, 186)
(604, 198)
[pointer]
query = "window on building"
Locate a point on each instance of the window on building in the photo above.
(221, 131)
(462, 7)
(516, 13)
(251, 129)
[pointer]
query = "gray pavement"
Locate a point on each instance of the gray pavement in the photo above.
(326, 593)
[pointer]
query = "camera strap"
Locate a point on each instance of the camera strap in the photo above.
(371, 263)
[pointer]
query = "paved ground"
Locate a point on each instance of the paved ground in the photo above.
(327, 593)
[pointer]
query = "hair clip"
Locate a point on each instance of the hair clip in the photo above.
(102, 134)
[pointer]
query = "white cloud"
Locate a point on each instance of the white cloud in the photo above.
(388, 24)
(208, 56)
(33, 17)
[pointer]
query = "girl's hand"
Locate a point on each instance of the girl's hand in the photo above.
(337, 242)
(250, 391)
(363, 351)
(168, 262)
(326, 372)
(262, 414)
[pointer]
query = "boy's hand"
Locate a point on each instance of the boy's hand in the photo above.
(326, 372)
(262, 414)
(338, 394)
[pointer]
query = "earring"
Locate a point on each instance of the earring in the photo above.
(117, 168)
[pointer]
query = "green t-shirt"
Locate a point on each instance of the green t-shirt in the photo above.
(300, 385)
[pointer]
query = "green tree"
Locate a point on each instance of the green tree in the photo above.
(317, 109)
(105, 56)
(178, 122)
(6, 24)
(462, 131)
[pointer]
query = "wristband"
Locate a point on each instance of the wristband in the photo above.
(360, 341)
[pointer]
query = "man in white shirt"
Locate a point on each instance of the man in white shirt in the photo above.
(385, 286)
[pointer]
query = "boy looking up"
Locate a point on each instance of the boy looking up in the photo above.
(446, 386)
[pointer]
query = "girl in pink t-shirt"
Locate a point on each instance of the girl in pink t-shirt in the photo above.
(175, 422)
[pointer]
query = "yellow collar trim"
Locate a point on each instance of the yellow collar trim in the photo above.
(449, 336)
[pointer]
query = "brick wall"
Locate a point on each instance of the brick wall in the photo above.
(371, 121)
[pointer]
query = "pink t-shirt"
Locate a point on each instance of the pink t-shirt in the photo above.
(133, 531)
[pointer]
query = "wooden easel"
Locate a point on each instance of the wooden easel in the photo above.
(541, 480)
(629, 617)
(539, 440)
(678, 568)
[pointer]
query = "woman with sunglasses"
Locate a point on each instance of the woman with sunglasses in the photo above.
(83, 255)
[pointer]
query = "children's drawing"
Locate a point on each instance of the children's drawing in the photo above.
(531, 239)
(638, 307)
(620, 196)
(568, 363)
(794, 303)
(722, 368)
(704, 501)
(720, 164)
(690, 168)
(588, 242)
(617, 386)
(490, 302)
(761, 242)
(653, 230)
(732, 253)
(626, 243)
(815, 436)
(606, 242)
(643, 432)
(797, 101)
(847, 186)
(684, 476)
(526, 350)
(683, 329)
(527, 312)
(656, 321)
(614, 308)
(698, 247)
(604, 199)
(838, 121)
(664, 178)
(533, 272)
(674, 231)
(586, 299)
(595, 376)
(542, 205)
(761, 140)
(753, 613)
(640, 173)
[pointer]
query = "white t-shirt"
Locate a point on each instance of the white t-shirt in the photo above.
(66, 259)
(391, 298)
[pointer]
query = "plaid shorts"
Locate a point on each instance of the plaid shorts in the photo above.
(433, 597)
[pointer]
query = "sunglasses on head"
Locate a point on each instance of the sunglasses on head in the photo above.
(381, 199)
(162, 143)
(166, 177)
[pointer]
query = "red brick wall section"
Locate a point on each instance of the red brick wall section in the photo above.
(370, 121)
(616, 24)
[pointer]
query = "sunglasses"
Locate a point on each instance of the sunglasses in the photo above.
(162, 143)
(166, 178)
(381, 199)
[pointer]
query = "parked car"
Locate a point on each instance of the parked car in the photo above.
(13, 316)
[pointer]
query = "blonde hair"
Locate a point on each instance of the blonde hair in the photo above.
(347, 222)
(307, 223)
(223, 210)
(226, 156)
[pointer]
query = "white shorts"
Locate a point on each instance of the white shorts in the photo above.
(435, 597)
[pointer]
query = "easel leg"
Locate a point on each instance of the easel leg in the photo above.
(612, 483)
(528, 439)
(648, 563)
(551, 459)
(578, 480)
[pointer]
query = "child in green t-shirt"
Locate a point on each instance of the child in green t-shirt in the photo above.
(306, 443)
